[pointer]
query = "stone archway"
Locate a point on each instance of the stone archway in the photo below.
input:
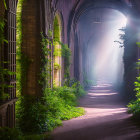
(130, 60)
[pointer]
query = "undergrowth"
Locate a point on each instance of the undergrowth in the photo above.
(36, 114)
(39, 114)
(14, 134)
(45, 113)
(134, 106)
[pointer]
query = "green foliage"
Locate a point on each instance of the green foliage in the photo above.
(50, 33)
(45, 113)
(65, 51)
(134, 106)
(35, 137)
(10, 134)
(22, 71)
(45, 70)
(14, 134)
(3, 76)
(66, 54)
(86, 82)
(37, 115)
(4, 1)
(22, 61)
(57, 66)
(57, 51)
(79, 90)
(4, 72)
(56, 31)
(2, 37)
(32, 111)
(61, 103)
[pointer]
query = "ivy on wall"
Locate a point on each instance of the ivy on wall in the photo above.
(4, 72)
(45, 112)
(22, 60)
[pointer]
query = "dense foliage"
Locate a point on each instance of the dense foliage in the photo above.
(44, 114)
(15, 134)
(22, 60)
(4, 72)
(134, 106)
(38, 114)
(2, 39)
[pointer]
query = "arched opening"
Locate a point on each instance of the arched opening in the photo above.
(101, 46)
(57, 71)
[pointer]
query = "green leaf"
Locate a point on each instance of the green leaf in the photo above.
(5, 4)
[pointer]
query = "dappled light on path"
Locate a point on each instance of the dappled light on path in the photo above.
(106, 118)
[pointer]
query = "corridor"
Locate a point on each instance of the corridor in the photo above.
(106, 118)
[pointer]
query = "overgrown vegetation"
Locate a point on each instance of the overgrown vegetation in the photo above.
(22, 60)
(134, 106)
(46, 112)
(4, 72)
(38, 114)
(86, 82)
(15, 134)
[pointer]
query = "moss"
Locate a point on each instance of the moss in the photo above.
(57, 66)
(56, 30)
(20, 58)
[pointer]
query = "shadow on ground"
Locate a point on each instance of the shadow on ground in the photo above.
(106, 118)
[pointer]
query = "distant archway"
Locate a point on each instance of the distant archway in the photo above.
(130, 48)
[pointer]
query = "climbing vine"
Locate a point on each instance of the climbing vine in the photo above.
(45, 75)
(64, 52)
(4, 72)
(22, 60)
(45, 112)
(57, 104)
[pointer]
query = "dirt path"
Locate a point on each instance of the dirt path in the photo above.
(106, 118)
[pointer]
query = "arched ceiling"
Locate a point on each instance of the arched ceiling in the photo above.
(83, 7)
(94, 23)
(88, 5)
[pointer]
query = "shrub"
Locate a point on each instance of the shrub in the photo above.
(14, 134)
(78, 89)
(134, 106)
(10, 134)
(31, 115)
(38, 115)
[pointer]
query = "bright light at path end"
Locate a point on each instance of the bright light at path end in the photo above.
(108, 65)
(123, 21)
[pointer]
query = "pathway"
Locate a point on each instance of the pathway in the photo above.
(106, 118)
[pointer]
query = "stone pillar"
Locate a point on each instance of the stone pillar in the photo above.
(31, 44)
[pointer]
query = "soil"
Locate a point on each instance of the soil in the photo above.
(105, 118)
